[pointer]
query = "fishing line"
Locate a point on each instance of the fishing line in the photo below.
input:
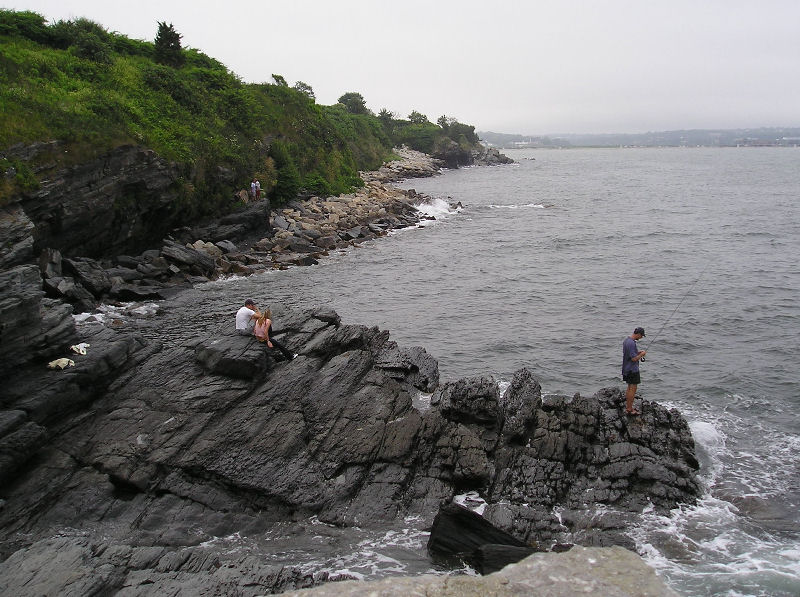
(675, 310)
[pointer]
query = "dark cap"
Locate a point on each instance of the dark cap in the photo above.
(249, 302)
(639, 331)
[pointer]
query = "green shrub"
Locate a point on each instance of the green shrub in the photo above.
(93, 90)
(16, 176)
(25, 24)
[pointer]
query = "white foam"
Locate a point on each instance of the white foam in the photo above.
(436, 208)
(472, 501)
(107, 312)
(421, 401)
(522, 206)
(502, 387)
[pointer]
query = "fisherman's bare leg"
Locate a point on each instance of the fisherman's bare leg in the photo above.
(630, 394)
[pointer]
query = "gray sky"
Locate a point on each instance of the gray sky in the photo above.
(530, 67)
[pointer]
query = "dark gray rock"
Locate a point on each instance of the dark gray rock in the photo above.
(227, 246)
(197, 261)
(50, 264)
(489, 156)
(20, 318)
(519, 404)
(154, 268)
(17, 447)
(472, 400)
(301, 245)
(74, 565)
(128, 261)
(136, 292)
(413, 366)
(233, 356)
(327, 242)
(67, 288)
(353, 233)
(165, 447)
(16, 237)
(459, 532)
(89, 274)
(280, 222)
(125, 274)
(122, 200)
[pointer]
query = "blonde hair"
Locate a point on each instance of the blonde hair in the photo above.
(265, 314)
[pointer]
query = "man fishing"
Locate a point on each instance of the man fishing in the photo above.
(631, 355)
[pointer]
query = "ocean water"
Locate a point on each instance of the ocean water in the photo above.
(549, 264)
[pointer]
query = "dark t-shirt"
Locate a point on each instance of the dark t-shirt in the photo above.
(629, 350)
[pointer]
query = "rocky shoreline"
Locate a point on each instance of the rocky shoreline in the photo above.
(121, 473)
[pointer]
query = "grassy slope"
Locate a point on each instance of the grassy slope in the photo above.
(93, 90)
(200, 115)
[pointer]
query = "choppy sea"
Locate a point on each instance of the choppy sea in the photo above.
(549, 264)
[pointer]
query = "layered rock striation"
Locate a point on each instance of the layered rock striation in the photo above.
(64, 247)
(144, 452)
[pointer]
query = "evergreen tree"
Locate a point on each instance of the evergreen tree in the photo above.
(288, 178)
(305, 89)
(354, 103)
(168, 45)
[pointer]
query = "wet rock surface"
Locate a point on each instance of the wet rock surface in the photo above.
(147, 452)
(121, 471)
(611, 572)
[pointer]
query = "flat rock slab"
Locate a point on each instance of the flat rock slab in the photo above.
(608, 571)
(242, 357)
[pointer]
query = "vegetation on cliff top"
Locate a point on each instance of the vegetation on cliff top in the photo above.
(94, 90)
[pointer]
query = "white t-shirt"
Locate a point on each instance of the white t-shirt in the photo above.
(244, 319)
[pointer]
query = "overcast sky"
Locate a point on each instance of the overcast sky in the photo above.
(517, 66)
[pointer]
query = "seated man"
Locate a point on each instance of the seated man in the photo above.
(246, 318)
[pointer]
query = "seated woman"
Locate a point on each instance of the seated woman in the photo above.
(262, 330)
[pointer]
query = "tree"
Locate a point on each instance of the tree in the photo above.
(279, 80)
(287, 184)
(354, 103)
(305, 89)
(168, 45)
(417, 118)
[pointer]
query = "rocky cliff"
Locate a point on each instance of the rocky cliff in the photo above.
(65, 247)
(121, 471)
(134, 460)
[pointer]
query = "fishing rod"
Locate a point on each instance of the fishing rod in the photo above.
(675, 310)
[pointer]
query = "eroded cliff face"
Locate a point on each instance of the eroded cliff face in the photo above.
(79, 225)
(120, 202)
(144, 452)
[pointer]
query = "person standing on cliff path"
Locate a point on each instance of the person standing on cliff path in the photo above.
(631, 356)
(253, 189)
(258, 189)
(246, 318)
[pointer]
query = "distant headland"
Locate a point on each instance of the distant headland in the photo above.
(755, 137)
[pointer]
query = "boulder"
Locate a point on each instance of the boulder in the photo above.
(458, 532)
(136, 292)
(188, 256)
(89, 274)
(227, 246)
(470, 400)
(20, 318)
(611, 572)
(233, 356)
(125, 274)
(413, 366)
(50, 264)
(16, 232)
